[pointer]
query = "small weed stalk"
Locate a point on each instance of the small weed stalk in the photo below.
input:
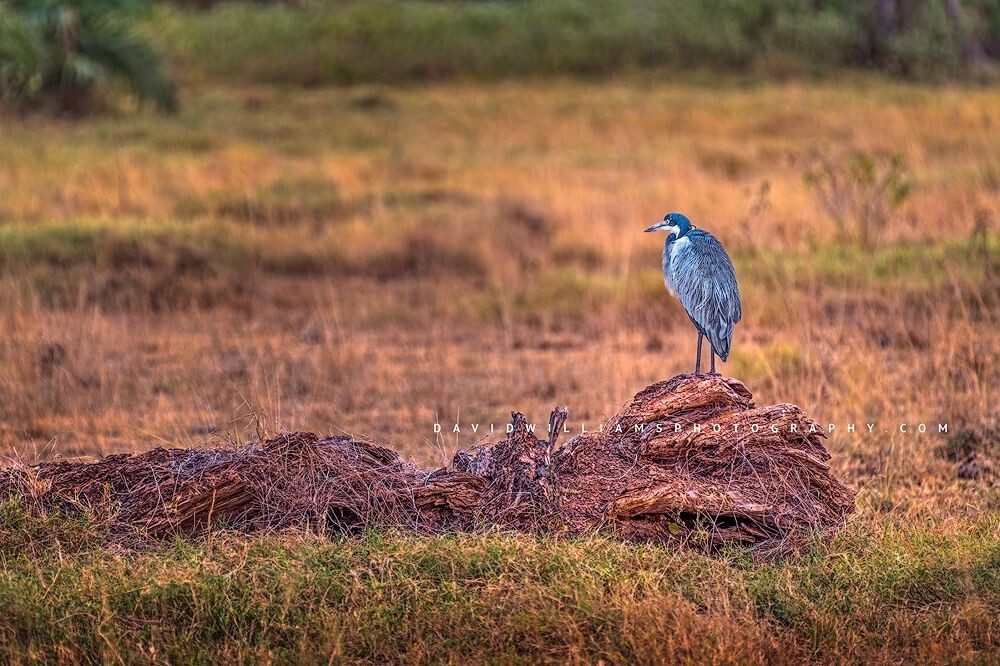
(860, 191)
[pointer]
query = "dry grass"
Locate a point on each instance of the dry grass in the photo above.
(370, 260)
(457, 251)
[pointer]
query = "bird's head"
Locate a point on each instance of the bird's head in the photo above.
(675, 223)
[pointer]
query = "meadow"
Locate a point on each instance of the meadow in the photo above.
(375, 259)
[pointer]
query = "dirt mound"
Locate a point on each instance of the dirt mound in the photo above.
(689, 461)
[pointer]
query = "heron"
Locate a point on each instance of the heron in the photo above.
(698, 271)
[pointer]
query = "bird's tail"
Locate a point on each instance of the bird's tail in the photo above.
(722, 341)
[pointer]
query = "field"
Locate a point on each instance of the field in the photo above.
(378, 259)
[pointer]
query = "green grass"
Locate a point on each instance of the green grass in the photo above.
(879, 591)
(922, 263)
(202, 262)
(216, 252)
(233, 238)
(120, 243)
(902, 264)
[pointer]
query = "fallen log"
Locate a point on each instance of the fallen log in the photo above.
(689, 461)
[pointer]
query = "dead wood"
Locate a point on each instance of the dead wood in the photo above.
(688, 461)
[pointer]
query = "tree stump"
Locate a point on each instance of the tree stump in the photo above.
(689, 461)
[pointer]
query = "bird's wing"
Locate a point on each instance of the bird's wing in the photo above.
(705, 282)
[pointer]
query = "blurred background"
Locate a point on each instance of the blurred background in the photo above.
(223, 220)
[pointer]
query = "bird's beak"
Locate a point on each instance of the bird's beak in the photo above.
(656, 227)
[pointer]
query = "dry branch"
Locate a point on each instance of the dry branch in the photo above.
(747, 474)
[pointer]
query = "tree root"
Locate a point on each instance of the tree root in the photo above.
(689, 461)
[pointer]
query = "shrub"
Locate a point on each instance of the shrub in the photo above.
(349, 41)
(929, 49)
(859, 191)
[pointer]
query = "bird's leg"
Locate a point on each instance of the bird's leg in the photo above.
(697, 359)
(713, 361)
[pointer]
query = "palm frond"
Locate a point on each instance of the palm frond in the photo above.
(126, 57)
(67, 52)
(20, 58)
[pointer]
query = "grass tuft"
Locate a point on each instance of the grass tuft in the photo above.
(876, 592)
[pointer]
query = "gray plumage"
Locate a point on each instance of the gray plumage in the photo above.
(698, 271)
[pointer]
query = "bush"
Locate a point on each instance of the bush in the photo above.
(823, 39)
(928, 49)
(859, 191)
(64, 53)
(348, 41)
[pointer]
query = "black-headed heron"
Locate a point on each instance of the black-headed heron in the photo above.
(698, 271)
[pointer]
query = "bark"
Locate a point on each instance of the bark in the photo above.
(885, 20)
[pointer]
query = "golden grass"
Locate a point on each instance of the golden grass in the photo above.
(370, 260)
